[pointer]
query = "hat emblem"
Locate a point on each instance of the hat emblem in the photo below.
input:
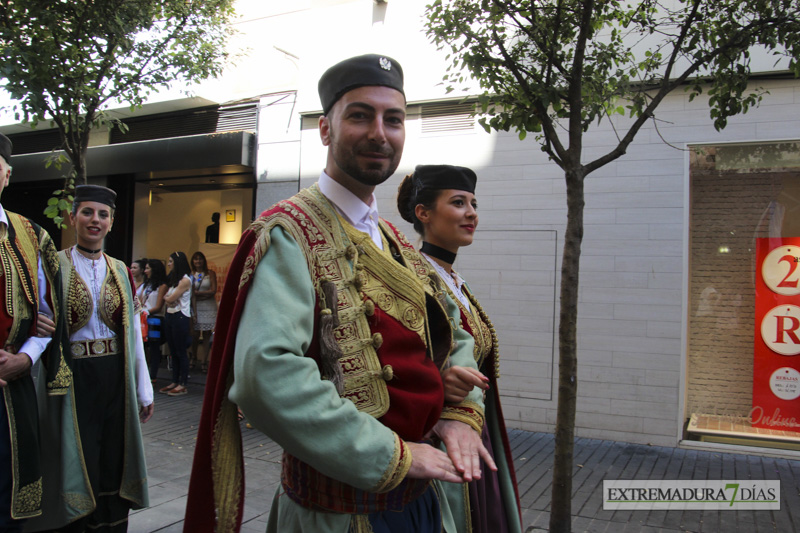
(385, 64)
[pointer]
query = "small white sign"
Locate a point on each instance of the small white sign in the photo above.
(785, 383)
(731, 495)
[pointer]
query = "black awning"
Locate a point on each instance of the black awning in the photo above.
(235, 148)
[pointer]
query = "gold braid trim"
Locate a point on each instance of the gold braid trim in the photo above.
(59, 385)
(28, 243)
(20, 266)
(63, 379)
(261, 227)
(79, 301)
(393, 287)
(333, 258)
(111, 297)
(78, 500)
(488, 334)
(359, 523)
(28, 501)
(226, 461)
(398, 467)
(468, 412)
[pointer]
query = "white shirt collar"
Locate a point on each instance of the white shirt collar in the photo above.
(361, 216)
(455, 285)
(3, 216)
(348, 204)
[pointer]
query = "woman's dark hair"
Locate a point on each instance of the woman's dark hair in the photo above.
(409, 196)
(180, 268)
(202, 256)
(142, 263)
(158, 274)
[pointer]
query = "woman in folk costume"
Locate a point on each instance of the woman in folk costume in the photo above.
(113, 392)
(439, 200)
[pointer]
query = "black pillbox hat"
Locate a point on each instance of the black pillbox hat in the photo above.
(359, 71)
(444, 177)
(95, 193)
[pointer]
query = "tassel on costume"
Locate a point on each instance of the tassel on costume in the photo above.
(328, 347)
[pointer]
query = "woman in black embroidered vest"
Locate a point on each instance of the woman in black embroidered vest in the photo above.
(439, 200)
(112, 385)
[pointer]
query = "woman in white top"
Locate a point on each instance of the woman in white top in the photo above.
(177, 321)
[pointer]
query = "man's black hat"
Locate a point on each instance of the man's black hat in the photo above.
(444, 177)
(5, 148)
(95, 193)
(360, 71)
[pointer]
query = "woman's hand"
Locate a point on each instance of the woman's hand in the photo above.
(460, 380)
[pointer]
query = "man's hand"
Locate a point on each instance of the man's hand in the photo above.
(45, 327)
(459, 380)
(146, 412)
(12, 366)
(465, 448)
(428, 462)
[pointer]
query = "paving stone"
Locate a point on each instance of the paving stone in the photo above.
(170, 438)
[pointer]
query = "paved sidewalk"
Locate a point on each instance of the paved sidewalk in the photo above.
(170, 436)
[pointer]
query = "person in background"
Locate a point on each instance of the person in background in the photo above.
(177, 320)
(113, 393)
(139, 277)
(212, 230)
(155, 288)
(439, 200)
(204, 308)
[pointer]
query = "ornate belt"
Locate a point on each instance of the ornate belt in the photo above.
(94, 348)
(313, 490)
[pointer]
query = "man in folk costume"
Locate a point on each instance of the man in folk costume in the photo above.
(331, 338)
(29, 280)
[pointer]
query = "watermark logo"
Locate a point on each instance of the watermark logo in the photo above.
(683, 494)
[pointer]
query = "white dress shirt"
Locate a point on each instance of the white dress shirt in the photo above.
(93, 273)
(363, 217)
(454, 280)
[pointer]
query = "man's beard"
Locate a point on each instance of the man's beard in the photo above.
(370, 173)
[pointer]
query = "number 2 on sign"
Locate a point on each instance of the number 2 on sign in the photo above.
(792, 260)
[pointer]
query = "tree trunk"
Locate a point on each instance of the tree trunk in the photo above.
(80, 166)
(561, 501)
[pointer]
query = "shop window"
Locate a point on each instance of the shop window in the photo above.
(741, 197)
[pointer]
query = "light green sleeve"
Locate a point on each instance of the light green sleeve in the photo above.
(471, 410)
(282, 392)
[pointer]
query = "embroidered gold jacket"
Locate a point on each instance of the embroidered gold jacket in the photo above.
(21, 245)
